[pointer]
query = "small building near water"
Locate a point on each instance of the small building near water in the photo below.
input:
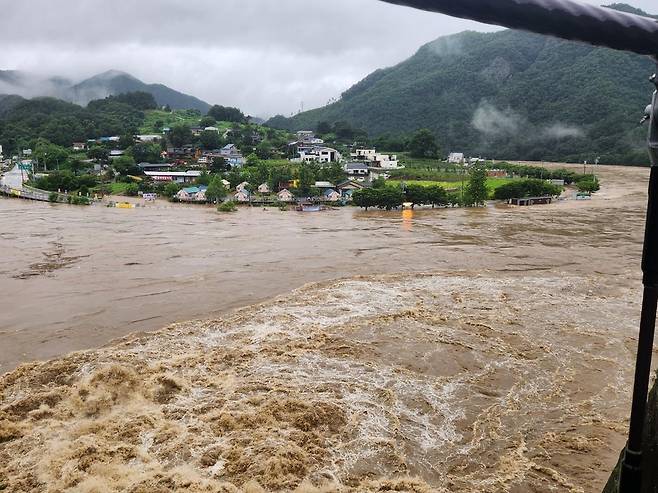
(532, 201)
(242, 196)
(192, 194)
(331, 196)
(175, 176)
(285, 196)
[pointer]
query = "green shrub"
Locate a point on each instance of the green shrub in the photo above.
(589, 186)
(227, 207)
(53, 197)
(526, 188)
(132, 189)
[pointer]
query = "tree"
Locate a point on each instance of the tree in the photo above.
(385, 198)
(436, 195)
(171, 189)
(264, 150)
(99, 154)
(389, 198)
(180, 135)
(423, 145)
(49, 155)
(146, 152)
(132, 189)
(219, 165)
(279, 175)
(588, 186)
(476, 190)
(125, 165)
(207, 121)
(333, 173)
(227, 114)
(252, 160)
(138, 99)
(364, 198)
(306, 180)
(203, 179)
(75, 165)
(379, 182)
(526, 188)
(210, 139)
(216, 190)
(126, 141)
(416, 194)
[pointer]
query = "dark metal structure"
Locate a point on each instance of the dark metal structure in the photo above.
(574, 20)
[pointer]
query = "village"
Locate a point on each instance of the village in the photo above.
(229, 164)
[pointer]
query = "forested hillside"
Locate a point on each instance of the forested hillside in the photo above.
(507, 95)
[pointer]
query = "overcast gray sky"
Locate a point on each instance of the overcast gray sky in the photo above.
(265, 56)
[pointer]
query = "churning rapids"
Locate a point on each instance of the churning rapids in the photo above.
(447, 350)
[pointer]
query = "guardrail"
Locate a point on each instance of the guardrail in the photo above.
(30, 193)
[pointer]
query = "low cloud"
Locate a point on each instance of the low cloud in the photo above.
(500, 123)
(264, 56)
(560, 131)
(494, 122)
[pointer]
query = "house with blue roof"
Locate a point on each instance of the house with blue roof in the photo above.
(330, 195)
(192, 194)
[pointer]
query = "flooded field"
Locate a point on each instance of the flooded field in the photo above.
(448, 350)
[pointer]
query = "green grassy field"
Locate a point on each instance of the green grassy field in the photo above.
(118, 188)
(492, 183)
(176, 117)
(422, 163)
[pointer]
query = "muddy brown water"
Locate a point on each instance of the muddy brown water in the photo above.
(469, 350)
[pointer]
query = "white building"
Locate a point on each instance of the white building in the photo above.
(148, 138)
(377, 160)
(175, 176)
(317, 154)
(456, 158)
(358, 171)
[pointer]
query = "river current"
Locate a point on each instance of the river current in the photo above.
(433, 350)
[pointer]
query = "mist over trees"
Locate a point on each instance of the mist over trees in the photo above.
(503, 95)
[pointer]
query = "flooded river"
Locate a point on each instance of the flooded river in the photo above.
(434, 350)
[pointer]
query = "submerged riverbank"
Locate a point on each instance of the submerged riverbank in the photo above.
(495, 354)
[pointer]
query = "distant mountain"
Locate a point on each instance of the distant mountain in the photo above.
(115, 82)
(507, 95)
(99, 86)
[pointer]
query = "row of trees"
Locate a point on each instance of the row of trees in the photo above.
(539, 172)
(526, 188)
(392, 197)
(475, 194)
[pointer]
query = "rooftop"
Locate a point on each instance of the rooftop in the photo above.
(173, 173)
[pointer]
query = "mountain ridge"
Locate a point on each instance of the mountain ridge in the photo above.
(99, 86)
(506, 94)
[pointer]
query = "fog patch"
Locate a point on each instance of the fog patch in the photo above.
(494, 122)
(500, 123)
(29, 85)
(562, 131)
(447, 47)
